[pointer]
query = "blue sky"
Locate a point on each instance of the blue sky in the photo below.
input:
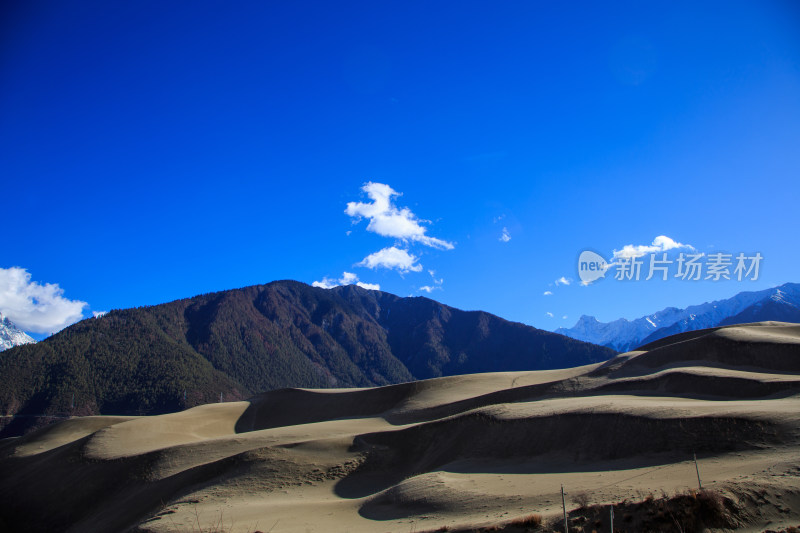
(150, 152)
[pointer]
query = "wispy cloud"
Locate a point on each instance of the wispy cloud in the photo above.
(563, 281)
(392, 258)
(549, 314)
(35, 307)
(437, 283)
(548, 293)
(388, 220)
(662, 243)
(348, 278)
(505, 237)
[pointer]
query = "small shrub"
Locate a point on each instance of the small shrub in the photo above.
(581, 499)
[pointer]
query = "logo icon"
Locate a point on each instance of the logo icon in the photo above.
(591, 267)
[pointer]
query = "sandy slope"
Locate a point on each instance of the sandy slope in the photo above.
(465, 450)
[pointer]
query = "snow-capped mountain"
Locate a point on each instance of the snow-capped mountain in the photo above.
(779, 303)
(11, 335)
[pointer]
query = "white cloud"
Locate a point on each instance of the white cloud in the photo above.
(662, 243)
(428, 288)
(348, 278)
(436, 281)
(392, 258)
(564, 317)
(98, 314)
(505, 237)
(326, 283)
(388, 220)
(548, 293)
(563, 281)
(549, 314)
(34, 307)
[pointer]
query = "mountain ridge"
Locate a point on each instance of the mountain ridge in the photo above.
(624, 335)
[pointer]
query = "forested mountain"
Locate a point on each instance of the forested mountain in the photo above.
(283, 334)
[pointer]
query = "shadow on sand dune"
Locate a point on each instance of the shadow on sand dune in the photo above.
(716, 393)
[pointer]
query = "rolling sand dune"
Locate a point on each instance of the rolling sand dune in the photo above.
(463, 451)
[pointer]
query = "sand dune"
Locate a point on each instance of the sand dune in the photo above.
(460, 451)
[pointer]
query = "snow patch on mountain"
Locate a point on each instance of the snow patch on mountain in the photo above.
(11, 335)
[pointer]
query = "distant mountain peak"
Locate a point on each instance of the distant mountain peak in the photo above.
(751, 306)
(11, 335)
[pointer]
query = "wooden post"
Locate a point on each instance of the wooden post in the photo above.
(697, 469)
(564, 507)
(612, 518)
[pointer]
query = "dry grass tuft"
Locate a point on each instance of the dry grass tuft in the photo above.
(532, 520)
(216, 525)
